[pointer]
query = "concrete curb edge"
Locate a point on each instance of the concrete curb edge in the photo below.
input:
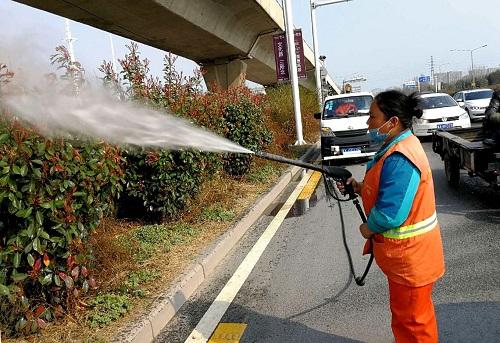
(145, 329)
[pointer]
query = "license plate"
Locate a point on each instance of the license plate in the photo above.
(350, 151)
(445, 126)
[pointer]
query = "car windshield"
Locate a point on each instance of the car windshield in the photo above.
(479, 95)
(437, 102)
(348, 106)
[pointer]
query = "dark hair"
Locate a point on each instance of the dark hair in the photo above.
(396, 104)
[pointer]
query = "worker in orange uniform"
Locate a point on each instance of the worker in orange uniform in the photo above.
(402, 228)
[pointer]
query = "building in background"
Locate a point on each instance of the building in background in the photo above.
(448, 77)
(479, 71)
(412, 85)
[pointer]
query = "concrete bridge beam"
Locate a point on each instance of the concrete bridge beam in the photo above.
(226, 74)
(205, 31)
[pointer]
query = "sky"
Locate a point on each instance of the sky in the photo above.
(386, 41)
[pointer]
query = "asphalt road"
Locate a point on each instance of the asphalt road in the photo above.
(301, 289)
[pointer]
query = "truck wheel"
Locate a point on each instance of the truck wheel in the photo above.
(452, 170)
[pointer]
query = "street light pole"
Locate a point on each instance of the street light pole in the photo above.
(317, 65)
(293, 70)
(472, 61)
(472, 70)
(69, 39)
(113, 57)
(317, 68)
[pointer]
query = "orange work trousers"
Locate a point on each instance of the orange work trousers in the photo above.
(413, 317)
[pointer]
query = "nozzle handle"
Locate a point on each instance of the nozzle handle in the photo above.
(337, 173)
(349, 189)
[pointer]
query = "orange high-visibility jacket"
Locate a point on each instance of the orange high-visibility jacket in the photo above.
(411, 254)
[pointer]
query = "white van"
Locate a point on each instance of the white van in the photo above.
(344, 132)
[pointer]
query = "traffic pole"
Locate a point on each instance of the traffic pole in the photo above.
(293, 70)
(317, 67)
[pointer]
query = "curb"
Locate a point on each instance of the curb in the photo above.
(303, 202)
(144, 330)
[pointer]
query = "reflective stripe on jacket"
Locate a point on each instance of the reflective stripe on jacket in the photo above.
(411, 254)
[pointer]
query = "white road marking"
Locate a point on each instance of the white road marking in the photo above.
(212, 317)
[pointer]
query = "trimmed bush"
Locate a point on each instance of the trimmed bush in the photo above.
(245, 125)
(159, 184)
(52, 194)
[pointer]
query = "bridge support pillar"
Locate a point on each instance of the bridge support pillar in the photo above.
(225, 75)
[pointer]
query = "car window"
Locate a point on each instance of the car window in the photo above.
(479, 95)
(458, 97)
(348, 106)
(437, 102)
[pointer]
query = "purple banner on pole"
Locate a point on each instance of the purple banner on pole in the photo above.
(299, 53)
(281, 57)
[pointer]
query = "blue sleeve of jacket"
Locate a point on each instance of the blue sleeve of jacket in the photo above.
(399, 182)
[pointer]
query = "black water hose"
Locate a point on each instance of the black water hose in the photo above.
(360, 280)
(339, 174)
(336, 173)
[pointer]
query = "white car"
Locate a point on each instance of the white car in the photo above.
(474, 101)
(440, 112)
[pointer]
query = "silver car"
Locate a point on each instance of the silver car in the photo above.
(474, 101)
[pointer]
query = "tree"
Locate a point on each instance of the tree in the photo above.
(494, 78)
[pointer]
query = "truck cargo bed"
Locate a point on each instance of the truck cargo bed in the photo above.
(471, 138)
(464, 149)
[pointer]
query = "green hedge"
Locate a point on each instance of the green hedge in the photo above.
(244, 124)
(160, 184)
(52, 194)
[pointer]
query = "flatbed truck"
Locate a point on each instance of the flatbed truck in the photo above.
(465, 149)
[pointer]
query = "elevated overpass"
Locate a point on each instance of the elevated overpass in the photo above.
(230, 39)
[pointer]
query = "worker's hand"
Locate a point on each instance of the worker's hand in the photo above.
(355, 184)
(365, 231)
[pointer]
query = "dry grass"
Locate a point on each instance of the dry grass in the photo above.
(114, 263)
(281, 119)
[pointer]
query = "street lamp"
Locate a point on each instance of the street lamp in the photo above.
(314, 5)
(287, 4)
(472, 61)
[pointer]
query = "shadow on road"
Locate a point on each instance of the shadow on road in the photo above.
(327, 301)
(465, 322)
(265, 328)
(260, 327)
(474, 199)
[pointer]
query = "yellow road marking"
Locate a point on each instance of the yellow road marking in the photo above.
(214, 314)
(228, 333)
(311, 186)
